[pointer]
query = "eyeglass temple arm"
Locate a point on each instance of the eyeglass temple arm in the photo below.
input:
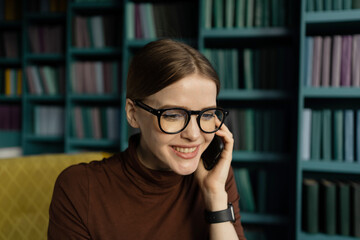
(144, 106)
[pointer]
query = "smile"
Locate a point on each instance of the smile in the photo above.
(185, 150)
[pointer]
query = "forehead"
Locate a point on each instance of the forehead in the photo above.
(193, 92)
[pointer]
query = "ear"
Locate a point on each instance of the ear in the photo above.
(131, 113)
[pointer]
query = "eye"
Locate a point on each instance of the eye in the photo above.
(173, 115)
(207, 116)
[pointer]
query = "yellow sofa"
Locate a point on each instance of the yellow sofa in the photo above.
(26, 185)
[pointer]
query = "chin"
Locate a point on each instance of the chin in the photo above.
(186, 169)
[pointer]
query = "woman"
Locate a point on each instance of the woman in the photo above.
(158, 188)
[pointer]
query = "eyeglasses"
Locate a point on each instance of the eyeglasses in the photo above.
(175, 120)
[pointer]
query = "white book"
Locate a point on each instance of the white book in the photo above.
(306, 135)
(97, 31)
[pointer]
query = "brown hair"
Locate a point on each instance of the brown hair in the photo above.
(163, 62)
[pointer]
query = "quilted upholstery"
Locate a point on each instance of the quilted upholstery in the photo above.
(26, 186)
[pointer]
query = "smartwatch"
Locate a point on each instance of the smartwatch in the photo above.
(221, 216)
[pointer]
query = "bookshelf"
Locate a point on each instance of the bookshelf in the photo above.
(289, 33)
(332, 98)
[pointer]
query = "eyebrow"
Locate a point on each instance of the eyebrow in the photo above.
(184, 107)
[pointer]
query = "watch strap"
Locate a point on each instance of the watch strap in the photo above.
(221, 216)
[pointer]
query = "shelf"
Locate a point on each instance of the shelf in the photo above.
(321, 236)
(10, 138)
(10, 61)
(108, 51)
(253, 95)
(258, 157)
(94, 143)
(51, 139)
(277, 32)
(138, 43)
(4, 98)
(330, 167)
(333, 16)
(95, 5)
(46, 98)
(10, 24)
(95, 97)
(50, 16)
(332, 92)
(45, 57)
(266, 219)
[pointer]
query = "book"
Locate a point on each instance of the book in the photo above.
(345, 72)
(309, 61)
(240, 13)
(355, 61)
(229, 13)
(316, 71)
(310, 201)
(208, 6)
(325, 70)
(338, 139)
(250, 6)
(343, 208)
(247, 201)
(349, 135)
(316, 116)
(218, 13)
(327, 204)
(358, 136)
(336, 61)
(326, 134)
(355, 208)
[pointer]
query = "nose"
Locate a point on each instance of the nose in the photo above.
(192, 130)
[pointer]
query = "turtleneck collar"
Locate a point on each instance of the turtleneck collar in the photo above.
(148, 180)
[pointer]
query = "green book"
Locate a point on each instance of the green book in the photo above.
(328, 207)
(266, 130)
(257, 130)
(337, 4)
(261, 191)
(266, 13)
(86, 116)
(326, 134)
(250, 13)
(90, 30)
(219, 13)
(243, 183)
(248, 68)
(355, 208)
(235, 68)
(240, 13)
(343, 210)
(208, 13)
(274, 13)
(281, 13)
(347, 4)
(130, 20)
(250, 141)
(229, 13)
(258, 18)
(328, 5)
(315, 134)
(242, 128)
(310, 5)
(319, 6)
(338, 139)
(310, 206)
(103, 120)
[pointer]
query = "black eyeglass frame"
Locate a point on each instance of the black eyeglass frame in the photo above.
(159, 112)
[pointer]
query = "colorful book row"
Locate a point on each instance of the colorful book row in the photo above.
(331, 5)
(95, 77)
(11, 82)
(261, 68)
(49, 121)
(10, 117)
(255, 187)
(331, 135)
(10, 10)
(46, 38)
(96, 123)
(246, 13)
(45, 80)
(95, 31)
(47, 6)
(9, 44)
(154, 20)
(258, 130)
(332, 61)
(331, 207)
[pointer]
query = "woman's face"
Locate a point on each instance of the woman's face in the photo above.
(179, 152)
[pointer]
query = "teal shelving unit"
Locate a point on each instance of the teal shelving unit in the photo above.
(323, 23)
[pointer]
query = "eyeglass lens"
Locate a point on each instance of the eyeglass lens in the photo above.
(174, 120)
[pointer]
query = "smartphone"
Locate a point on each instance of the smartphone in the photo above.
(212, 154)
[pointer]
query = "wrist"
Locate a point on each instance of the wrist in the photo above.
(216, 202)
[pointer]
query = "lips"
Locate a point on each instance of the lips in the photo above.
(185, 152)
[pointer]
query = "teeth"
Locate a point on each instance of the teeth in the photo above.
(185, 150)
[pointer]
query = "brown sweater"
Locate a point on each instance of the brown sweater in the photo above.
(118, 198)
